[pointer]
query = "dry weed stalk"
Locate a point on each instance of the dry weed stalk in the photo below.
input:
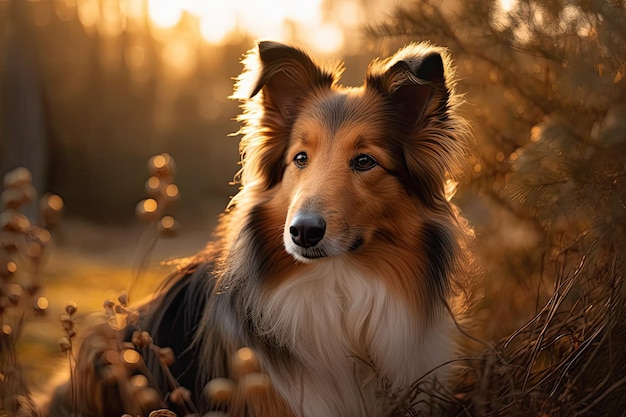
(115, 358)
(116, 362)
(23, 245)
(162, 194)
(568, 360)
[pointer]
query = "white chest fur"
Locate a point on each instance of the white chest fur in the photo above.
(355, 345)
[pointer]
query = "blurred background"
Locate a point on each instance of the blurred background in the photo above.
(91, 89)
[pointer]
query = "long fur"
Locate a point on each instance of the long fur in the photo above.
(345, 325)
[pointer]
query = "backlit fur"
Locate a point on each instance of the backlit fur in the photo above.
(342, 327)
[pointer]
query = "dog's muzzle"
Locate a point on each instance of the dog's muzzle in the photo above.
(307, 230)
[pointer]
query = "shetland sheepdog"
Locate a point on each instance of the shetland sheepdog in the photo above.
(337, 260)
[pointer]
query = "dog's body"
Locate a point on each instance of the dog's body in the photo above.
(337, 259)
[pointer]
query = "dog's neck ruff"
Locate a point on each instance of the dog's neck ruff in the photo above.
(353, 346)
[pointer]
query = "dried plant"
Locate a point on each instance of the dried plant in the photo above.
(155, 210)
(23, 244)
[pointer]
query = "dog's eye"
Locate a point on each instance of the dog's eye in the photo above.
(363, 163)
(301, 160)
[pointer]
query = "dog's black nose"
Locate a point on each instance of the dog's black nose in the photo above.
(307, 230)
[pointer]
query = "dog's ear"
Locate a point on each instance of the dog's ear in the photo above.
(414, 81)
(285, 76)
(418, 85)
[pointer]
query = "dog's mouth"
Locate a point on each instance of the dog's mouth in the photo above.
(309, 254)
(324, 249)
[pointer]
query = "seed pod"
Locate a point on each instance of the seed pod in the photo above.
(71, 307)
(139, 381)
(123, 299)
(245, 361)
(50, 207)
(167, 356)
(17, 177)
(40, 304)
(40, 235)
(108, 308)
(14, 198)
(167, 227)
(8, 241)
(14, 221)
(14, 293)
(147, 210)
(170, 193)
(255, 384)
(153, 186)
(130, 357)
(162, 165)
(141, 338)
(120, 310)
(220, 390)
(149, 399)
(133, 318)
(65, 343)
(162, 413)
(180, 395)
(33, 249)
(7, 268)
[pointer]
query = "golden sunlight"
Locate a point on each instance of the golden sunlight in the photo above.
(165, 13)
(507, 5)
(282, 20)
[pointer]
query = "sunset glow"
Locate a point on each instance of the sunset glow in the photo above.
(282, 20)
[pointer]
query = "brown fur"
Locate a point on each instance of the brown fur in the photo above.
(345, 323)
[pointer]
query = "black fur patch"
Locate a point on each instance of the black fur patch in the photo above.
(440, 248)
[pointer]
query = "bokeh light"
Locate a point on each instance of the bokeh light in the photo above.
(54, 202)
(130, 356)
(309, 23)
(150, 205)
(165, 13)
(41, 303)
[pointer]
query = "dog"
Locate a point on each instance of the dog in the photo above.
(338, 259)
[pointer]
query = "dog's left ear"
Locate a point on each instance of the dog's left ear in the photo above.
(414, 81)
(418, 85)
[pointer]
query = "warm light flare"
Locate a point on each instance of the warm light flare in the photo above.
(327, 38)
(150, 205)
(179, 56)
(88, 12)
(281, 20)
(216, 24)
(507, 5)
(164, 13)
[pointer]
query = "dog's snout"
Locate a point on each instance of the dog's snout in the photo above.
(307, 230)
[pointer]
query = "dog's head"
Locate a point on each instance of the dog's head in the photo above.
(350, 165)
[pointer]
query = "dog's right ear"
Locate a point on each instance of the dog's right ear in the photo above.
(284, 75)
(276, 80)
